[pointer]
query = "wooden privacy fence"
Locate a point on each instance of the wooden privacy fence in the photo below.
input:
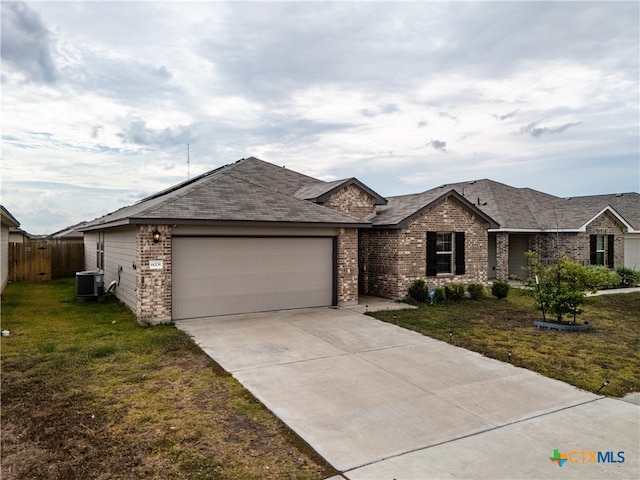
(39, 261)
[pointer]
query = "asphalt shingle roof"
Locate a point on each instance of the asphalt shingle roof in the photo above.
(249, 190)
(401, 208)
(516, 208)
(626, 204)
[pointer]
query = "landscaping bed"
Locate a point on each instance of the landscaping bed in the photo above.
(87, 393)
(503, 329)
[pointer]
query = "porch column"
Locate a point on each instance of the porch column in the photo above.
(347, 258)
(502, 256)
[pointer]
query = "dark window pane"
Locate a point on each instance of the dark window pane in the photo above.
(444, 263)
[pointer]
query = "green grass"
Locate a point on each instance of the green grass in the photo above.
(610, 350)
(88, 393)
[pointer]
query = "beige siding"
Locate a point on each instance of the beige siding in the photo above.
(4, 260)
(120, 257)
(90, 250)
(632, 250)
(119, 251)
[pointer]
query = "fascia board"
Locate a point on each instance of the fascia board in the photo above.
(534, 230)
(583, 228)
(174, 221)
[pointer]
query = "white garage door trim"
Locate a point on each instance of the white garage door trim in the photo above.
(228, 275)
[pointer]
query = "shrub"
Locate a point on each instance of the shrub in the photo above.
(440, 295)
(560, 289)
(418, 291)
(628, 277)
(454, 291)
(597, 277)
(476, 291)
(500, 289)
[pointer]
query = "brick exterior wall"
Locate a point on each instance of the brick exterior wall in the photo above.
(392, 259)
(153, 287)
(502, 256)
(352, 200)
(379, 258)
(550, 246)
(347, 273)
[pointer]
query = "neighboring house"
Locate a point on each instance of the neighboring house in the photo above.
(601, 230)
(628, 206)
(440, 237)
(70, 234)
(8, 222)
(247, 237)
(17, 235)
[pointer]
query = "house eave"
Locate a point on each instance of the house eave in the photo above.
(610, 209)
(536, 230)
(380, 200)
(450, 193)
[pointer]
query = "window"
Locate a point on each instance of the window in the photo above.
(601, 250)
(100, 251)
(445, 251)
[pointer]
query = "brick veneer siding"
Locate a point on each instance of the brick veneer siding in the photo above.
(379, 262)
(347, 271)
(352, 200)
(502, 256)
(153, 287)
(393, 259)
(551, 246)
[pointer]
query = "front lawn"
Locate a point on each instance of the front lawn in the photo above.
(610, 350)
(87, 393)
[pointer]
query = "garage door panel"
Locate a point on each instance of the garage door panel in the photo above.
(226, 275)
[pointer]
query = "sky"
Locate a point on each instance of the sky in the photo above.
(104, 103)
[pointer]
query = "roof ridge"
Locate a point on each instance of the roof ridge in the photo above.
(282, 194)
(185, 183)
(255, 159)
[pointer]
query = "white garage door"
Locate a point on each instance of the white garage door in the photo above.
(227, 275)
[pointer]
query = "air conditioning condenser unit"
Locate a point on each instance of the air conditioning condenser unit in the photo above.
(89, 284)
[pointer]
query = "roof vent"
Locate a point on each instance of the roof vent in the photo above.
(619, 194)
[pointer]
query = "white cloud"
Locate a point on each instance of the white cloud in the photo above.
(405, 96)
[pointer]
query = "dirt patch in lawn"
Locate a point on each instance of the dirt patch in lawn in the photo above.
(87, 393)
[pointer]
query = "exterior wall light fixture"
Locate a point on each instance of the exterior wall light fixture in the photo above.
(156, 236)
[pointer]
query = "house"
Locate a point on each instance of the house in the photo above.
(627, 205)
(601, 230)
(69, 235)
(438, 236)
(252, 236)
(246, 237)
(17, 235)
(7, 222)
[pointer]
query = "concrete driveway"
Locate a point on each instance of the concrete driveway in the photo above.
(379, 401)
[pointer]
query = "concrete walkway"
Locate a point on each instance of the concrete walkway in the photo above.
(379, 401)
